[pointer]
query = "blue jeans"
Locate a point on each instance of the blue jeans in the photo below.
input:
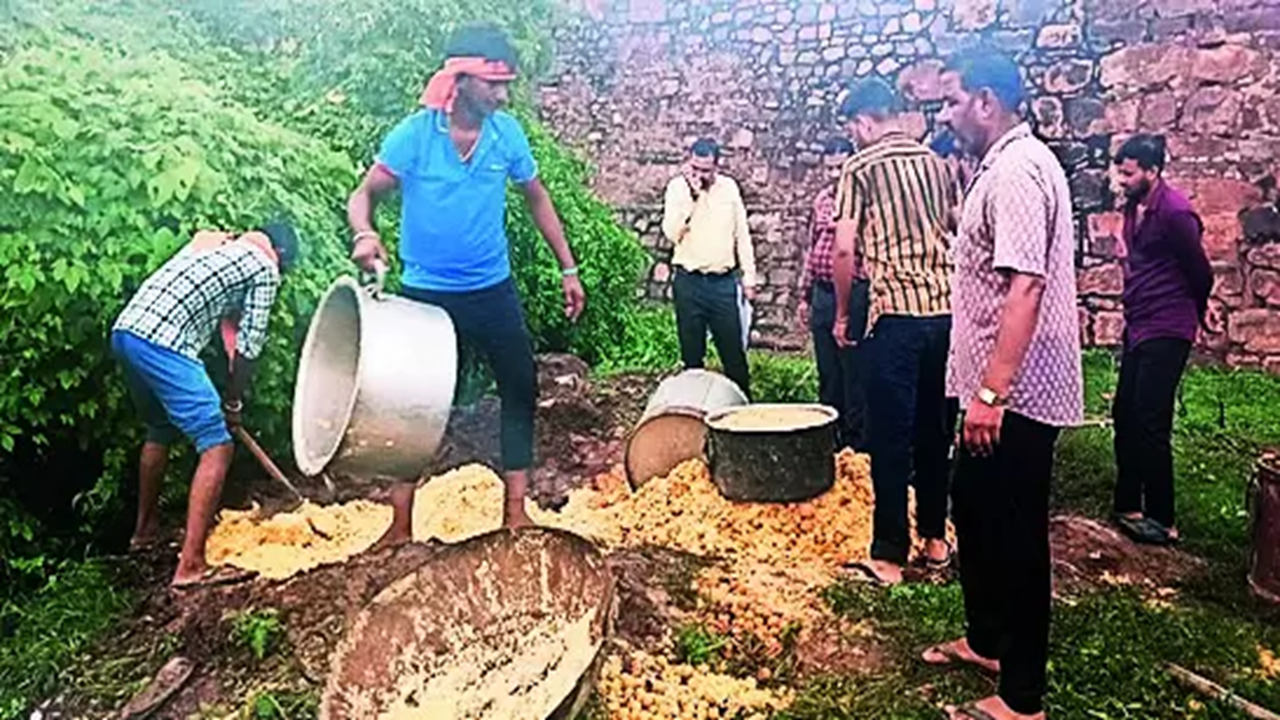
(172, 392)
(912, 424)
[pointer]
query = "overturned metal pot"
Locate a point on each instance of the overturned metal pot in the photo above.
(772, 453)
(375, 384)
(508, 624)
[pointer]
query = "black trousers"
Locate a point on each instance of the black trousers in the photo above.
(912, 423)
(1143, 413)
(1001, 513)
(839, 369)
(492, 321)
(712, 302)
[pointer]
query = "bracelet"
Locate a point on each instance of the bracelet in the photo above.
(233, 405)
(569, 272)
(362, 235)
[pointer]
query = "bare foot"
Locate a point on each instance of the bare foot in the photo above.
(516, 517)
(937, 551)
(876, 572)
(992, 708)
(393, 537)
(958, 651)
(186, 579)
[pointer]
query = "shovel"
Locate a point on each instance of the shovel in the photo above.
(265, 461)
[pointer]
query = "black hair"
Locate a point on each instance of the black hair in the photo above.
(284, 239)
(1146, 150)
(873, 97)
(945, 144)
(706, 147)
(484, 40)
(838, 145)
(992, 70)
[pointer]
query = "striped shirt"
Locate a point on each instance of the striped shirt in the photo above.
(180, 305)
(901, 196)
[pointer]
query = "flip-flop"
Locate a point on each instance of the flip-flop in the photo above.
(216, 576)
(862, 572)
(928, 563)
(1146, 531)
(952, 658)
(969, 712)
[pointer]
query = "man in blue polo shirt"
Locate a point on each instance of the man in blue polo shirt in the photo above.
(452, 160)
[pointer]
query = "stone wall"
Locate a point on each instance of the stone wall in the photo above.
(637, 80)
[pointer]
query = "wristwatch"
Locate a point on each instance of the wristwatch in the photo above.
(990, 397)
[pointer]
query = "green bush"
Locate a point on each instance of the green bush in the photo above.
(100, 154)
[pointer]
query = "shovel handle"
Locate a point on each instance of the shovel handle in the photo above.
(264, 459)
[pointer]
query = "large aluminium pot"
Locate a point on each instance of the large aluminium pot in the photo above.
(671, 430)
(375, 384)
(508, 624)
(788, 461)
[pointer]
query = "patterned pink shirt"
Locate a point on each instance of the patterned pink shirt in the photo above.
(1017, 218)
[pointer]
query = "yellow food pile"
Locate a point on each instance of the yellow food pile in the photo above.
(1268, 664)
(759, 600)
(685, 511)
(777, 417)
(639, 686)
(452, 507)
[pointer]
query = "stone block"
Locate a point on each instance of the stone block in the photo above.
(1267, 256)
(1085, 115)
(1108, 328)
(1047, 112)
(1227, 64)
(1029, 13)
(1212, 110)
(1221, 237)
(1160, 111)
(1187, 148)
(1105, 279)
(1265, 285)
(1257, 330)
(1263, 19)
(888, 66)
(922, 81)
(972, 15)
(1106, 235)
(1142, 67)
(1058, 36)
(1244, 361)
(1068, 76)
(1166, 28)
(1215, 195)
(1122, 115)
(1090, 190)
(1111, 32)
(661, 272)
(912, 23)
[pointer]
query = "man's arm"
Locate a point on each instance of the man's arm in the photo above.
(677, 210)
(848, 223)
(252, 337)
(1184, 235)
(742, 244)
(548, 222)
(1018, 318)
(368, 248)
(544, 215)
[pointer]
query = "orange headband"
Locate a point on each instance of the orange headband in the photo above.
(442, 89)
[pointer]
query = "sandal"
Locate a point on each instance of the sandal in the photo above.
(863, 572)
(953, 658)
(215, 576)
(928, 563)
(1147, 532)
(969, 712)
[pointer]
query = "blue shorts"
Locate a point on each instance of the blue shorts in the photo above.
(172, 391)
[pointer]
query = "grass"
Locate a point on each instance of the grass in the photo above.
(1108, 649)
(42, 633)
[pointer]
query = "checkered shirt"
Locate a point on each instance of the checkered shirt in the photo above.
(180, 305)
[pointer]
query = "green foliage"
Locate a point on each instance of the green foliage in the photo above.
(696, 645)
(778, 378)
(275, 705)
(97, 151)
(43, 633)
(258, 631)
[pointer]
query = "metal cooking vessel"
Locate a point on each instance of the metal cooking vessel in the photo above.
(671, 430)
(472, 608)
(375, 384)
(781, 464)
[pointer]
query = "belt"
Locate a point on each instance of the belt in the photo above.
(703, 273)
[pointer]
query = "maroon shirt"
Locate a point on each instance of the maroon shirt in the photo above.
(1167, 277)
(819, 265)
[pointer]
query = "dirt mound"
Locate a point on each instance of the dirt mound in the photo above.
(1088, 553)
